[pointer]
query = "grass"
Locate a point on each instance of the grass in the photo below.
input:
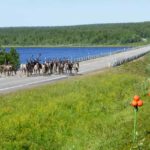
(83, 113)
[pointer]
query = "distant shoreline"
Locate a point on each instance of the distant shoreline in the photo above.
(59, 46)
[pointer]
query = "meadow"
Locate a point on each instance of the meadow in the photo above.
(90, 112)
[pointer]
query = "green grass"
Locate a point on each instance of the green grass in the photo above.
(83, 113)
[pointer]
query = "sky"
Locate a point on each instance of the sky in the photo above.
(71, 12)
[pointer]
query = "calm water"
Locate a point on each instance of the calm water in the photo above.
(73, 53)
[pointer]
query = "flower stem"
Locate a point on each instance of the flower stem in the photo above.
(135, 123)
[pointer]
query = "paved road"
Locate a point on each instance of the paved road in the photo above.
(8, 84)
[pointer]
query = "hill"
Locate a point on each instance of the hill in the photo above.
(84, 35)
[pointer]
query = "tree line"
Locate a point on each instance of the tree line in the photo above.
(97, 34)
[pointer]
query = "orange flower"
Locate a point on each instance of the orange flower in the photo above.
(134, 103)
(136, 98)
(140, 103)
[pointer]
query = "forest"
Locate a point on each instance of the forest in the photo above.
(81, 35)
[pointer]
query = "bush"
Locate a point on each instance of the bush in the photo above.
(11, 57)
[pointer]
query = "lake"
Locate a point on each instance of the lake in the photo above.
(71, 53)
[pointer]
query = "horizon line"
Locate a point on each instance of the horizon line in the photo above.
(53, 26)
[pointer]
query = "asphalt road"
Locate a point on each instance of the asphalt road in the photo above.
(14, 83)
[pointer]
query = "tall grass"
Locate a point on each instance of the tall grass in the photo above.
(82, 113)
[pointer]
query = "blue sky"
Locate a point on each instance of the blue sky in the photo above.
(71, 12)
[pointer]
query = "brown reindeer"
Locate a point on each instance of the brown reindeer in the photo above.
(8, 70)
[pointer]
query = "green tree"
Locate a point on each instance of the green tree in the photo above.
(14, 58)
(11, 57)
(2, 56)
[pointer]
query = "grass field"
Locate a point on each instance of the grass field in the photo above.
(83, 113)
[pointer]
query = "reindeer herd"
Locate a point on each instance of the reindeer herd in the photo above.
(7, 70)
(34, 67)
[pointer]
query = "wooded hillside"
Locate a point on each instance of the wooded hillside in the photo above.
(98, 34)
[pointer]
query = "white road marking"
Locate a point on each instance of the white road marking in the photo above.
(32, 83)
(2, 78)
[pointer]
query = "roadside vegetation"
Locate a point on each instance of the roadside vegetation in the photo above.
(90, 112)
(132, 34)
(12, 57)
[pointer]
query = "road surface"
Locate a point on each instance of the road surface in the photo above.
(9, 84)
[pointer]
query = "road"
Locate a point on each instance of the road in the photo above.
(14, 83)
